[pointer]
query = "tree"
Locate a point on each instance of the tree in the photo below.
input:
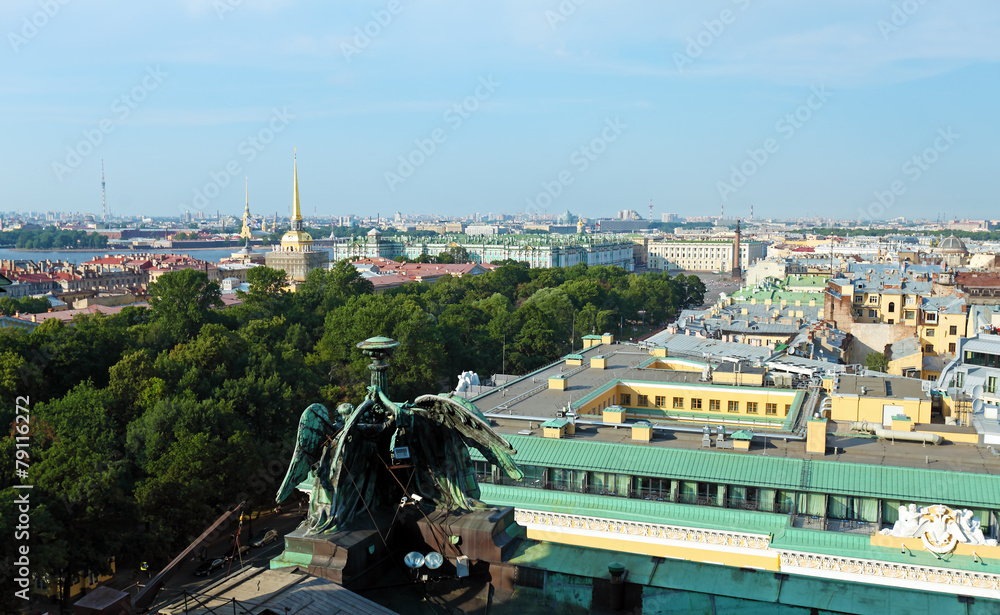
(877, 361)
(180, 301)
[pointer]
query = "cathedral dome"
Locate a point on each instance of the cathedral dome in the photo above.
(952, 245)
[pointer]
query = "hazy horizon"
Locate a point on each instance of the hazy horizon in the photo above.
(856, 110)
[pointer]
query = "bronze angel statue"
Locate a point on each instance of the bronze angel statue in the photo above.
(365, 457)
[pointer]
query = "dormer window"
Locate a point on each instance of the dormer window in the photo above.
(930, 317)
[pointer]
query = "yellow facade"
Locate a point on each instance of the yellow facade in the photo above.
(871, 408)
(614, 415)
(557, 383)
(816, 436)
(940, 338)
(599, 363)
(766, 561)
(640, 399)
(80, 582)
(739, 378)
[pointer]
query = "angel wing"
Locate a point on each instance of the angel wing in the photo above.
(314, 426)
(463, 417)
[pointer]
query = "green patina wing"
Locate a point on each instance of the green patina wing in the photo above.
(314, 427)
(461, 416)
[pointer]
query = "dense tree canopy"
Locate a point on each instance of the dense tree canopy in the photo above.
(52, 238)
(148, 423)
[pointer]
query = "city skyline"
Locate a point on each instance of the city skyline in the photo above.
(853, 111)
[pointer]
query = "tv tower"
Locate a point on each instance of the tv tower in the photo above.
(104, 198)
(650, 210)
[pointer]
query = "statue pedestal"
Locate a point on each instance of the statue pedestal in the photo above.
(481, 534)
(357, 558)
(347, 557)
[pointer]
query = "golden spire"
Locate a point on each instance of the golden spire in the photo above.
(296, 213)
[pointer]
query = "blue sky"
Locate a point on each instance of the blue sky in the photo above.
(800, 109)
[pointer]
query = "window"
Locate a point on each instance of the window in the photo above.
(929, 348)
(695, 403)
(951, 347)
(908, 315)
(858, 298)
(991, 384)
(734, 406)
(661, 401)
(930, 317)
(751, 407)
(929, 333)
(910, 300)
(788, 408)
(959, 379)
(953, 330)
(643, 401)
(626, 399)
(713, 404)
(679, 402)
(872, 313)
(892, 306)
(771, 409)
(873, 299)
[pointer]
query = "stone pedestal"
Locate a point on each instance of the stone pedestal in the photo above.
(349, 557)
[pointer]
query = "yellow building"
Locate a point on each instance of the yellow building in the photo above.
(942, 323)
(877, 400)
(689, 401)
(43, 586)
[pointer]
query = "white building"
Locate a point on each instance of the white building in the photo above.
(702, 255)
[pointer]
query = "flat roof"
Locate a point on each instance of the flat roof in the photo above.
(881, 386)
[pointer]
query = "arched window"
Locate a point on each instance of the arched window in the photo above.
(892, 306)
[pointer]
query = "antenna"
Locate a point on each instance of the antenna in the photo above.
(650, 210)
(104, 197)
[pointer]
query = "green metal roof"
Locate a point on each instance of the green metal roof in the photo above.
(578, 357)
(627, 509)
(816, 476)
(557, 423)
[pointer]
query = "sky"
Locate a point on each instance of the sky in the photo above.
(848, 109)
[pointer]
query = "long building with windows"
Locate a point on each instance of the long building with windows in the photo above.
(706, 255)
(538, 252)
(727, 484)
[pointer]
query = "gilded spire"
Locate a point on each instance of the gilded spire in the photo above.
(296, 212)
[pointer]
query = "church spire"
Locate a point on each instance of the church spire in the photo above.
(296, 210)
